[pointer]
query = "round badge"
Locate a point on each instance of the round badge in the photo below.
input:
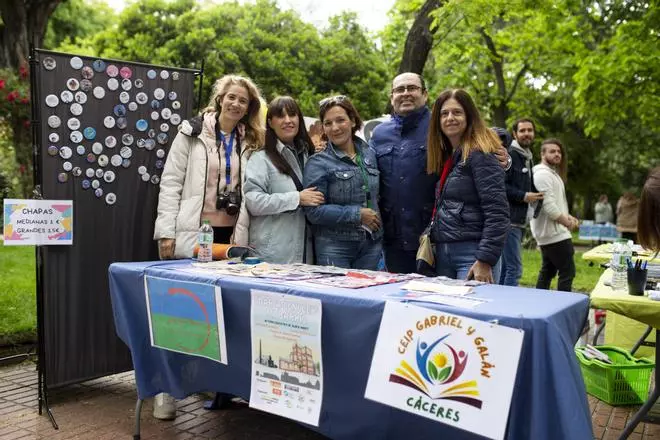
(109, 176)
(49, 63)
(62, 177)
(73, 123)
(86, 184)
(149, 144)
(141, 143)
(98, 65)
(124, 97)
(76, 62)
(99, 92)
(52, 150)
(175, 76)
(91, 158)
(112, 71)
(164, 74)
(115, 160)
(175, 119)
(127, 139)
(126, 152)
(80, 97)
(140, 125)
(80, 149)
(172, 96)
(176, 105)
(66, 97)
(73, 84)
(159, 93)
(151, 133)
(155, 179)
(145, 177)
(119, 110)
(121, 123)
(113, 84)
(141, 98)
(65, 152)
(110, 198)
(125, 163)
(151, 74)
(155, 104)
(87, 72)
(103, 160)
(125, 72)
(160, 153)
(76, 171)
(98, 192)
(54, 121)
(98, 173)
(97, 148)
(89, 172)
(160, 164)
(76, 137)
(126, 84)
(164, 127)
(89, 133)
(67, 166)
(76, 109)
(139, 83)
(52, 101)
(85, 85)
(142, 169)
(132, 106)
(162, 138)
(96, 184)
(166, 113)
(155, 115)
(110, 142)
(109, 122)
(54, 137)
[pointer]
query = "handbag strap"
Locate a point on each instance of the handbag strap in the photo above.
(446, 169)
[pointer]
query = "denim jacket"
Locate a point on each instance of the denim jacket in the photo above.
(341, 182)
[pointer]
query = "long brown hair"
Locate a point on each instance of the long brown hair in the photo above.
(302, 142)
(562, 169)
(648, 219)
(477, 137)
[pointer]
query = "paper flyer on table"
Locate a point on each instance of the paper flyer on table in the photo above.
(186, 317)
(287, 369)
(445, 367)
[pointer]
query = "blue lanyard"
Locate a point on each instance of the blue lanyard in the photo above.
(220, 138)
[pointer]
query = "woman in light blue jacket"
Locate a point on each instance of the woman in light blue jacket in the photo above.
(273, 189)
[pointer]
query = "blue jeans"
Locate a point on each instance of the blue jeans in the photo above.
(363, 254)
(512, 267)
(454, 260)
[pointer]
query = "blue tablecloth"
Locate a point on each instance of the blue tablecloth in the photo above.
(549, 399)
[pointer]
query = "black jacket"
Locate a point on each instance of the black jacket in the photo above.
(518, 182)
(473, 206)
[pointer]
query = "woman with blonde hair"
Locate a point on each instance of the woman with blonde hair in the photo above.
(471, 215)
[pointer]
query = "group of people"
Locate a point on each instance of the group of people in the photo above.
(626, 214)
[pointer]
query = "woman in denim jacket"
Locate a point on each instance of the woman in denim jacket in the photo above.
(347, 228)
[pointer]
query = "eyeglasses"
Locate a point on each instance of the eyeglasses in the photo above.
(331, 100)
(411, 88)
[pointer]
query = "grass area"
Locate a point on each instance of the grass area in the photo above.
(18, 302)
(585, 277)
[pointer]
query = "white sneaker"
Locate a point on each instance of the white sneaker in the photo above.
(164, 407)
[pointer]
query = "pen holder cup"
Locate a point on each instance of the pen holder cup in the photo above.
(636, 281)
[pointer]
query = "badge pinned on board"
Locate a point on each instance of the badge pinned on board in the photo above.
(76, 63)
(98, 65)
(112, 71)
(49, 63)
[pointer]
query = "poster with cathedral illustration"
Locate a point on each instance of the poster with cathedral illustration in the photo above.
(287, 369)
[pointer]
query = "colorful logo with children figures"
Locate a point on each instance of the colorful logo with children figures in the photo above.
(439, 367)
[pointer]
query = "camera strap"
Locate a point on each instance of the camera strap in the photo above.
(229, 146)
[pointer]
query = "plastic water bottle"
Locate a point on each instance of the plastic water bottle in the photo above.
(205, 242)
(621, 253)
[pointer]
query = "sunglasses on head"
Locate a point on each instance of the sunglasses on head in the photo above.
(331, 100)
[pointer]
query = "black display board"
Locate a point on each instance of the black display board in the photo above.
(104, 130)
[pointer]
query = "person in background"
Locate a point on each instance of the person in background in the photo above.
(552, 227)
(603, 210)
(401, 148)
(648, 220)
(626, 216)
(201, 180)
(520, 193)
(273, 189)
(472, 213)
(347, 228)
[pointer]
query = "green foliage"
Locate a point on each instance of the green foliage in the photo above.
(75, 20)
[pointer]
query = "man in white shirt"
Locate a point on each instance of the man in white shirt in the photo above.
(553, 225)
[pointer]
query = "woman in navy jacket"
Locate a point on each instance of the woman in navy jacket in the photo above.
(471, 218)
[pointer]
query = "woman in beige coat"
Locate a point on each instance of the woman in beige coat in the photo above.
(626, 216)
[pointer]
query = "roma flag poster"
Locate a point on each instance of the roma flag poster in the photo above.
(445, 367)
(186, 317)
(37, 222)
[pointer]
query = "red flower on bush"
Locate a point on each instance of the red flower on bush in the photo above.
(21, 169)
(23, 72)
(25, 101)
(26, 123)
(11, 97)
(2, 84)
